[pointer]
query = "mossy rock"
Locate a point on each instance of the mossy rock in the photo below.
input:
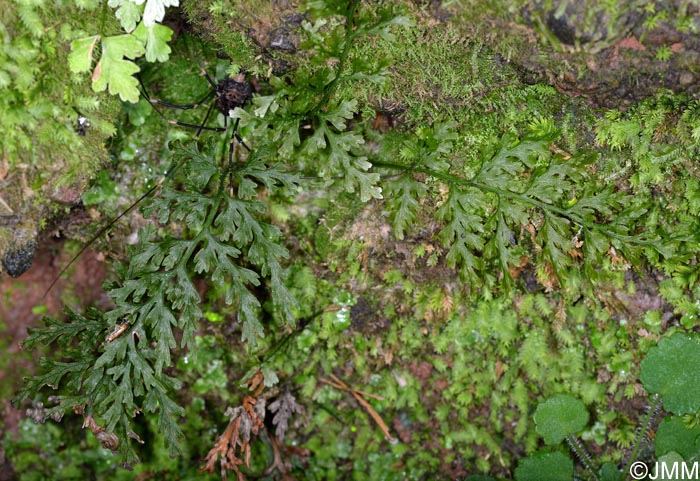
(47, 158)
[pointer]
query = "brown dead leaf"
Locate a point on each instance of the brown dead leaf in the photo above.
(107, 440)
(97, 72)
(549, 279)
(499, 368)
(446, 304)
(617, 260)
(232, 449)
(515, 271)
(256, 383)
(116, 332)
(555, 149)
(4, 167)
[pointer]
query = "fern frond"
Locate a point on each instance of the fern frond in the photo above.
(523, 186)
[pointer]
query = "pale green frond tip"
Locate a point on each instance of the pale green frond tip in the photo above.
(155, 10)
(155, 38)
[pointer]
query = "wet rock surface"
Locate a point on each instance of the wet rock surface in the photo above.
(284, 37)
(18, 260)
(590, 23)
(609, 56)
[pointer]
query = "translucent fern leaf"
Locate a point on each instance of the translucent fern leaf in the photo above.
(549, 185)
(248, 311)
(64, 333)
(501, 170)
(271, 176)
(338, 114)
(600, 203)
(350, 168)
(289, 134)
(356, 176)
(556, 238)
(500, 246)
(240, 221)
(54, 372)
(169, 414)
(161, 318)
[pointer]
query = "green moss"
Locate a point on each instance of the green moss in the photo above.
(40, 104)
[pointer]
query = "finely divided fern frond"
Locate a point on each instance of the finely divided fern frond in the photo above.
(403, 197)
(520, 185)
(228, 240)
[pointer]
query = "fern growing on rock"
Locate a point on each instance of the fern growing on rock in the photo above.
(119, 367)
(523, 201)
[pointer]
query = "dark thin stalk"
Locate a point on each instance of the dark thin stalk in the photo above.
(111, 223)
(302, 325)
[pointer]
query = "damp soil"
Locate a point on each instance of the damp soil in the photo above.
(24, 301)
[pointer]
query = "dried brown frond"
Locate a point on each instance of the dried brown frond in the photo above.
(232, 449)
(284, 408)
(256, 383)
(107, 440)
(225, 448)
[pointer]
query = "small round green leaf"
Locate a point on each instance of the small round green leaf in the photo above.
(560, 416)
(610, 472)
(545, 466)
(670, 369)
(669, 460)
(674, 436)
